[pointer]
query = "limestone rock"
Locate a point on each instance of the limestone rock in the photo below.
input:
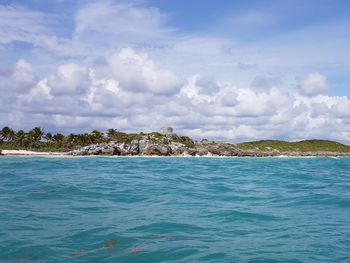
(148, 147)
(178, 148)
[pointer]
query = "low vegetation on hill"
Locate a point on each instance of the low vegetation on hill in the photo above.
(300, 146)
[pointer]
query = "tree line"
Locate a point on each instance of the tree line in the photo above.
(36, 138)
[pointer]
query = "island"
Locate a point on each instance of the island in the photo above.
(162, 143)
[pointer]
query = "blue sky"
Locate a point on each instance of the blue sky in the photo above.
(235, 70)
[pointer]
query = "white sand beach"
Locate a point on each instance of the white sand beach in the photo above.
(24, 152)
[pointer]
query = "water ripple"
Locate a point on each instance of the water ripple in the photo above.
(101, 209)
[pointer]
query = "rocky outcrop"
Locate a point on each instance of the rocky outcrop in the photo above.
(142, 146)
(206, 147)
(173, 145)
(147, 145)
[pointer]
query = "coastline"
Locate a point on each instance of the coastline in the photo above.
(162, 143)
(282, 155)
(30, 153)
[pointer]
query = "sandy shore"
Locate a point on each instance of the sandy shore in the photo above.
(24, 152)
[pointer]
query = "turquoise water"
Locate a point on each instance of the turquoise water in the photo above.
(100, 209)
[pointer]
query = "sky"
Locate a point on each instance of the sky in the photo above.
(228, 70)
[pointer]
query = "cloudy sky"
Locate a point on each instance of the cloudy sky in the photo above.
(232, 70)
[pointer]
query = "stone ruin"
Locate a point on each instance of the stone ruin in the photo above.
(168, 131)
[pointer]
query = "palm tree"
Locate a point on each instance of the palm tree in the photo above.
(114, 134)
(58, 139)
(7, 134)
(96, 136)
(84, 139)
(21, 137)
(111, 133)
(36, 135)
(72, 140)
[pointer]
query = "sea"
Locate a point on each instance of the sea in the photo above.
(174, 209)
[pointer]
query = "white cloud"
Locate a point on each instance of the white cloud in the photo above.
(202, 85)
(314, 84)
(82, 97)
(266, 82)
(20, 24)
(69, 79)
(23, 73)
(341, 109)
(137, 72)
(194, 92)
(20, 79)
(125, 22)
(255, 104)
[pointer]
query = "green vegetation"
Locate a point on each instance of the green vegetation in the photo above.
(37, 140)
(163, 139)
(187, 141)
(300, 146)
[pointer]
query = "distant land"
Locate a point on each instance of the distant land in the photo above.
(162, 143)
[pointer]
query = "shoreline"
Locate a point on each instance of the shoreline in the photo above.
(66, 154)
(168, 143)
(30, 153)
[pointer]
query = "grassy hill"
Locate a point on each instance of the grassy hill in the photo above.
(300, 146)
